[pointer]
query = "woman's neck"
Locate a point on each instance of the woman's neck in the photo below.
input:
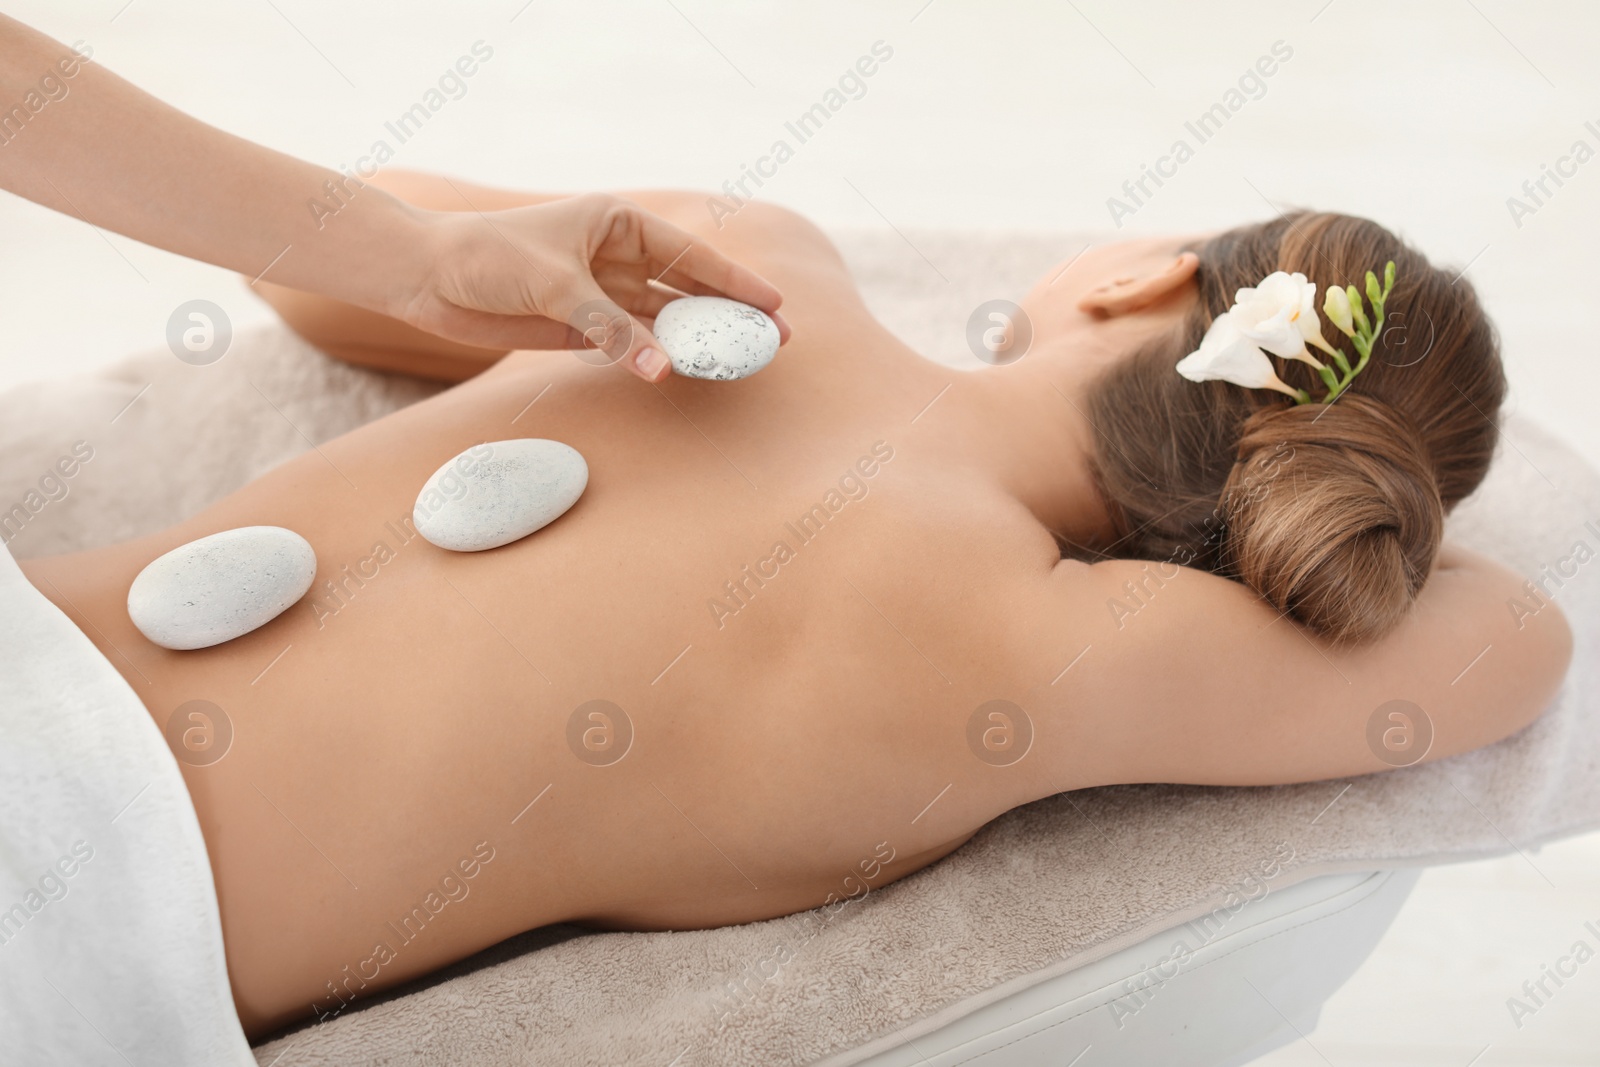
(1028, 424)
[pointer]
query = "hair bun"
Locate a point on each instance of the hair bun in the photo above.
(1333, 514)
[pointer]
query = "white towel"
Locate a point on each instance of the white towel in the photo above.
(110, 941)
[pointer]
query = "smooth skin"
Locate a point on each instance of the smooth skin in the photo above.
(811, 742)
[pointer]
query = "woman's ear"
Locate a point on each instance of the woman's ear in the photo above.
(1127, 293)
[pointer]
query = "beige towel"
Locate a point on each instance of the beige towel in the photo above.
(1041, 890)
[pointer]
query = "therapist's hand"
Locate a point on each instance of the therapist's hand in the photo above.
(567, 274)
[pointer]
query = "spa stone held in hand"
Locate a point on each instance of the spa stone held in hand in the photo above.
(714, 337)
(493, 494)
(221, 587)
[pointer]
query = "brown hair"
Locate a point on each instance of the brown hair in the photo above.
(1332, 513)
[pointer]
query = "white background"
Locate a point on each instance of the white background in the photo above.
(1025, 116)
(1424, 116)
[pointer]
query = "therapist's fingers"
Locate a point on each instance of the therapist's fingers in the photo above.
(628, 285)
(685, 260)
(643, 302)
(605, 325)
(575, 314)
(598, 325)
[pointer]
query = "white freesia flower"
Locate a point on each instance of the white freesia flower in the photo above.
(1226, 354)
(1280, 315)
(1336, 305)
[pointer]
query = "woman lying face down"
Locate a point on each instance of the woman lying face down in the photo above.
(726, 679)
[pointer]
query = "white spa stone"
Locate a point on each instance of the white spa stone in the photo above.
(495, 493)
(221, 587)
(714, 337)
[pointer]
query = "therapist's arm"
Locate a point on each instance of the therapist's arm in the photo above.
(77, 138)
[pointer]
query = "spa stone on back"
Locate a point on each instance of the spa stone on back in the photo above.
(714, 337)
(493, 494)
(220, 587)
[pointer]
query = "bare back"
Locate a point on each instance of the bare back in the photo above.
(781, 582)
